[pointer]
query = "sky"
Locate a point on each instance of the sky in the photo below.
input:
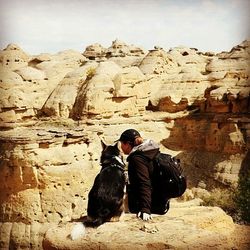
(50, 26)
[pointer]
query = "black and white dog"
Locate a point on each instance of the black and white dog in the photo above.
(105, 199)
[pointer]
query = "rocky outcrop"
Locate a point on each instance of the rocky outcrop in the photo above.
(95, 51)
(175, 230)
(119, 52)
(213, 230)
(175, 77)
(42, 171)
(25, 89)
(55, 109)
(177, 80)
(13, 58)
(59, 104)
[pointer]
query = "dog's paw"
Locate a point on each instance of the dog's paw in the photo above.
(78, 231)
(115, 219)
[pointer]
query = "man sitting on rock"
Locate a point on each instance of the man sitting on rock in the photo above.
(143, 197)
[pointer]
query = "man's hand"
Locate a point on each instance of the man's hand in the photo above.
(144, 216)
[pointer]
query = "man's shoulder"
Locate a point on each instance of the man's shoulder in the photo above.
(148, 155)
(137, 155)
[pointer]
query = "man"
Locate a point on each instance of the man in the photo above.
(144, 195)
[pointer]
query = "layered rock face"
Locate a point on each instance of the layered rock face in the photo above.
(55, 109)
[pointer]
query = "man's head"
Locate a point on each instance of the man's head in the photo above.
(127, 139)
(129, 135)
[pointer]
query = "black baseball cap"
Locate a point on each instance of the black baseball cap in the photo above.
(129, 135)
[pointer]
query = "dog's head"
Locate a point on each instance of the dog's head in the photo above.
(111, 155)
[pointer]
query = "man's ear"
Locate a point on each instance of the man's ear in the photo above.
(103, 145)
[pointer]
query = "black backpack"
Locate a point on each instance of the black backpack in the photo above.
(168, 176)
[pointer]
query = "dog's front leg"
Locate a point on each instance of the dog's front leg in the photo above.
(119, 215)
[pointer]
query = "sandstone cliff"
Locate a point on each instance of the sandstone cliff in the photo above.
(54, 109)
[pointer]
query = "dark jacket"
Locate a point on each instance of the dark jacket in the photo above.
(140, 172)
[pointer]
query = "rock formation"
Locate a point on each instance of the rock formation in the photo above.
(54, 109)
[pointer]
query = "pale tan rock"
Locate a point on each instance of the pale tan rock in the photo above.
(228, 170)
(127, 61)
(201, 193)
(43, 165)
(24, 206)
(94, 51)
(13, 57)
(121, 49)
(206, 235)
(188, 56)
(5, 230)
(185, 65)
(70, 55)
(227, 65)
(26, 97)
(193, 202)
(101, 95)
(181, 73)
(88, 69)
(108, 68)
(157, 62)
(129, 83)
(125, 55)
(212, 228)
(48, 164)
(119, 52)
(36, 84)
(34, 60)
(62, 63)
(239, 51)
(228, 78)
(226, 99)
(62, 99)
(216, 75)
(176, 96)
(9, 78)
(8, 116)
(23, 236)
(96, 97)
(31, 74)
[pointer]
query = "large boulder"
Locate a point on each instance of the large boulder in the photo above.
(13, 57)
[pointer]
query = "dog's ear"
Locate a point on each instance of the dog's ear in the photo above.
(116, 145)
(103, 145)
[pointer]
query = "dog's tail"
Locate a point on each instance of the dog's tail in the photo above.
(79, 229)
